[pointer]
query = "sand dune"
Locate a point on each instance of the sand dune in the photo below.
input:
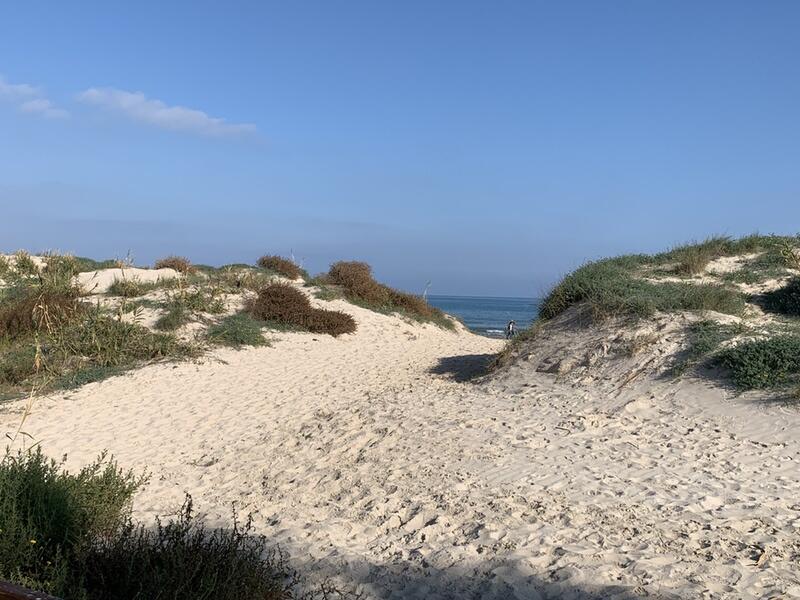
(377, 466)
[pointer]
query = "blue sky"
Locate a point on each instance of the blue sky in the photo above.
(487, 147)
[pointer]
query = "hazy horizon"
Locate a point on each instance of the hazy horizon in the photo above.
(487, 150)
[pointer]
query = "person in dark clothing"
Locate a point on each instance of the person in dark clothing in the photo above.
(511, 329)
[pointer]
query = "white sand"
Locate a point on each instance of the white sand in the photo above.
(98, 282)
(401, 483)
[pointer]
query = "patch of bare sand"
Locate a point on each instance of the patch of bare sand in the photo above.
(98, 282)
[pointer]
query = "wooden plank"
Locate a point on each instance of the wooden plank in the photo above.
(9, 591)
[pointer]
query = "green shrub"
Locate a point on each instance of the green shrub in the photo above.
(178, 263)
(49, 517)
(71, 535)
(704, 338)
(763, 363)
(182, 560)
(280, 265)
(784, 301)
(5, 266)
(237, 330)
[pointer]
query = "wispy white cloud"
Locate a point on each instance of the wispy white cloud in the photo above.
(30, 99)
(43, 107)
(137, 106)
(16, 91)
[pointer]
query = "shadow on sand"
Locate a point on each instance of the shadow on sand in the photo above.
(414, 581)
(465, 367)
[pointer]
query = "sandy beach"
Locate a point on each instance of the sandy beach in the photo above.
(380, 466)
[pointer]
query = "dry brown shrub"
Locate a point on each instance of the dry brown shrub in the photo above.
(282, 266)
(31, 311)
(280, 302)
(331, 322)
(360, 287)
(286, 304)
(413, 304)
(179, 263)
(356, 279)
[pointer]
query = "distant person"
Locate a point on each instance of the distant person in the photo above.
(511, 329)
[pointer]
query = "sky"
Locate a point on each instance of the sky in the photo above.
(486, 148)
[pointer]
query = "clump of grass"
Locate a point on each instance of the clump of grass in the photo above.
(287, 305)
(24, 264)
(327, 293)
(608, 289)
(237, 278)
(72, 535)
(784, 300)
(763, 363)
(76, 343)
(790, 253)
(237, 330)
(26, 309)
(769, 264)
(18, 363)
(5, 266)
(178, 263)
(129, 287)
(103, 340)
(704, 339)
(64, 265)
(693, 258)
(359, 287)
(185, 303)
(176, 317)
(280, 265)
(85, 265)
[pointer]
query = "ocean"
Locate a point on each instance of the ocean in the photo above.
(488, 316)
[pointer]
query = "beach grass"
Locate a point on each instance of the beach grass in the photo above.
(608, 288)
(238, 330)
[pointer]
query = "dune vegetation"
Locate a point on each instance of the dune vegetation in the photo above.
(355, 282)
(56, 332)
(753, 282)
(71, 535)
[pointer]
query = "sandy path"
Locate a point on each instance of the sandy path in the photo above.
(400, 483)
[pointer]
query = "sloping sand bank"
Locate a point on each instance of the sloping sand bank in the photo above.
(400, 482)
